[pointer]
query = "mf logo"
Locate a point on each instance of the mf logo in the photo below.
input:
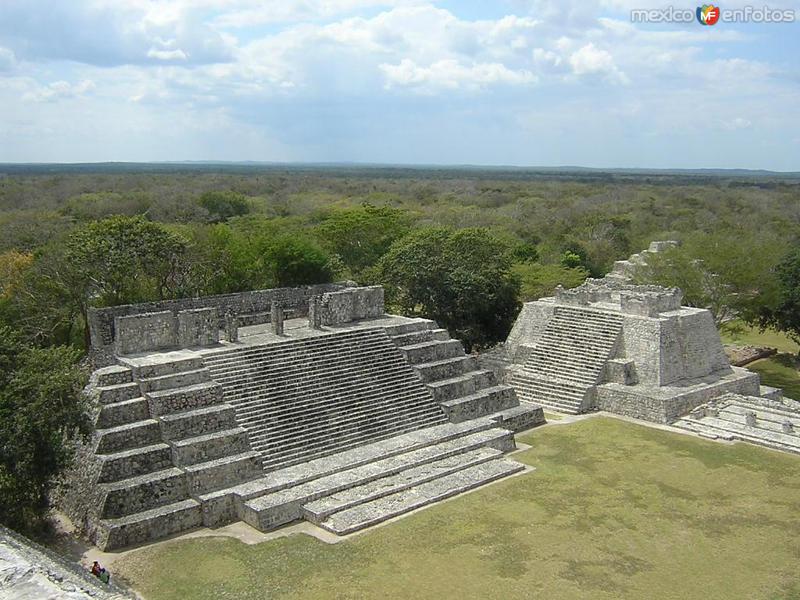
(708, 14)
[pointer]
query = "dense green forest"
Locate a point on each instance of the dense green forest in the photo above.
(463, 246)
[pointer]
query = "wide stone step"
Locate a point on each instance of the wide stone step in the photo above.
(112, 375)
(114, 534)
(159, 368)
(323, 508)
(432, 351)
(210, 446)
(417, 337)
(175, 380)
(409, 327)
(135, 462)
(143, 492)
(447, 368)
(191, 397)
(382, 509)
(481, 403)
(462, 385)
(124, 437)
(118, 393)
(122, 413)
(197, 422)
(519, 418)
(274, 508)
(223, 472)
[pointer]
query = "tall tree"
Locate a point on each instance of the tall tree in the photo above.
(41, 411)
(784, 315)
(462, 279)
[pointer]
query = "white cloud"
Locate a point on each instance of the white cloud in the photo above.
(58, 89)
(736, 123)
(176, 54)
(590, 60)
(451, 75)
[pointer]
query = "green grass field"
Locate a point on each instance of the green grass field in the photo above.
(614, 510)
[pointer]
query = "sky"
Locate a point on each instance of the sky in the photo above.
(493, 82)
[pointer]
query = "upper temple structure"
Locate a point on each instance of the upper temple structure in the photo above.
(628, 349)
(278, 405)
(615, 346)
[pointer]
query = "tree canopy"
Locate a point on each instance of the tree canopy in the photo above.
(460, 278)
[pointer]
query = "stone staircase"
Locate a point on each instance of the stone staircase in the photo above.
(351, 490)
(304, 398)
(567, 362)
(457, 383)
(163, 437)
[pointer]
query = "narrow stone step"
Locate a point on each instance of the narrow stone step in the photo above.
(382, 509)
(124, 437)
(323, 508)
(275, 446)
(210, 446)
(191, 397)
(334, 411)
(174, 380)
(135, 462)
(266, 356)
(114, 534)
(136, 494)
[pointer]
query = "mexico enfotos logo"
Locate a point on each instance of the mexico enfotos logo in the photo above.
(710, 14)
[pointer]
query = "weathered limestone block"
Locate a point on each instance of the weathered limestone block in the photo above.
(231, 328)
(314, 313)
(145, 332)
(198, 327)
(620, 370)
(787, 426)
(276, 318)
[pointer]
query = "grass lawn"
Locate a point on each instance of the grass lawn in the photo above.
(614, 510)
(777, 371)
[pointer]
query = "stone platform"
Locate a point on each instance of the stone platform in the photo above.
(345, 422)
(773, 422)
